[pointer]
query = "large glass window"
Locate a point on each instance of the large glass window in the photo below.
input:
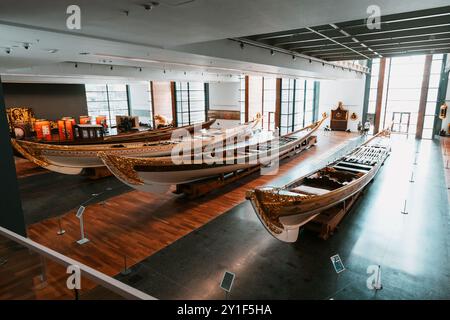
(401, 93)
(191, 102)
(297, 104)
(242, 97)
(269, 102)
(140, 97)
(433, 88)
(108, 100)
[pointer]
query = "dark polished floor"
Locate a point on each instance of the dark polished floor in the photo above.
(412, 249)
(42, 194)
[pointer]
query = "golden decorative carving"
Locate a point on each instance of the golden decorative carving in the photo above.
(122, 168)
(32, 154)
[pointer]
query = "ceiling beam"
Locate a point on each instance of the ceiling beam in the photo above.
(373, 36)
(391, 55)
(381, 48)
(344, 46)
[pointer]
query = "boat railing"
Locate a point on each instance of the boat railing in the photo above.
(31, 271)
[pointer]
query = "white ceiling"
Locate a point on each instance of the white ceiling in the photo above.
(157, 39)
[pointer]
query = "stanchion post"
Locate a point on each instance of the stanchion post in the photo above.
(125, 270)
(61, 231)
(404, 209)
(412, 177)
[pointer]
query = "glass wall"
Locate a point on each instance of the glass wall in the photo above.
(269, 102)
(297, 104)
(140, 96)
(107, 100)
(401, 93)
(191, 102)
(433, 88)
(242, 97)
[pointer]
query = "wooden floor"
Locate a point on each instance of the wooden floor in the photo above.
(25, 168)
(135, 225)
(445, 145)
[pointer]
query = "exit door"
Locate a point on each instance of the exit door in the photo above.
(400, 122)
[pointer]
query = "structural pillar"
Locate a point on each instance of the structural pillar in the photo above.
(11, 213)
(423, 96)
(379, 101)
(174, 104)
(278, 104)
(442, 93)
(367, 92)
(246, 107)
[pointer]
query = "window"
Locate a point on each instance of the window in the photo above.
(432, 98)
(242, 97)
(191, 102)
(107, 100)
(297, 104)
(269, 102)
(401, 93)
(140, 96)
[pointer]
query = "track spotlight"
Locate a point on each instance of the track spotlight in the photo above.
(140, 69)
(310, 61)
(272, 52)
(323, 64)
(294, 58)
(164, 71)
(76, 65)
(8, 50)
(111, 68)
(26, 46)
(241, 45)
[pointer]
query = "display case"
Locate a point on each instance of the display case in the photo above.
(339, 118)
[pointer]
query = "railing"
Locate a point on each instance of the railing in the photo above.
(98, 278)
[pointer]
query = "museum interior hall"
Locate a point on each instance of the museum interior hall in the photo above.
(224, 150)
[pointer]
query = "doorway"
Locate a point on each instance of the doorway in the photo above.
(400, 122)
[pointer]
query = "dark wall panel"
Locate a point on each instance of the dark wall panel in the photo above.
(48, 101)
(11, 214)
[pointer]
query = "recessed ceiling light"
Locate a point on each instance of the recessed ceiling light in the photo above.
(84, 53)
(52, 50)
(150, 6)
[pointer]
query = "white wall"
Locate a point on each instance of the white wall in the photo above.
(224, 96)
(140, 104)
(350, 92)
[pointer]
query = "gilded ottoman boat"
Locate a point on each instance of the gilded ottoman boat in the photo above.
(284, 210)
(72, 159)
(144, 173)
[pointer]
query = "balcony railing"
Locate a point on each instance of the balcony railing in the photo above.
(29, 270)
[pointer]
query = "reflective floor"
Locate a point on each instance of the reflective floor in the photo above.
(412, 249)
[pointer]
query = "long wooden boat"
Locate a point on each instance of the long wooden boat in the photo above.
(284, 210)
(138, 136)
(72, 159)
(144, 173)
